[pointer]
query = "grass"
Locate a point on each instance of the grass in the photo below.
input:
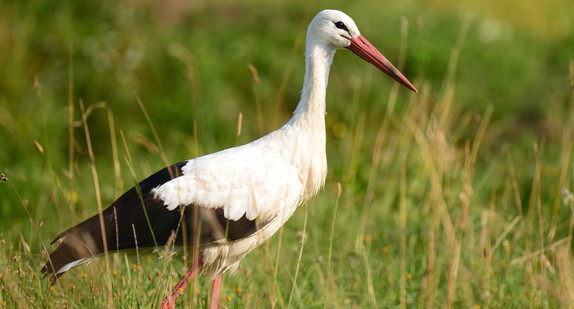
(456, 197)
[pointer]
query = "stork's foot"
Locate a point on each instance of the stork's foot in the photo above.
(168, 303)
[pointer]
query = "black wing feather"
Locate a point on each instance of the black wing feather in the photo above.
(126, 215)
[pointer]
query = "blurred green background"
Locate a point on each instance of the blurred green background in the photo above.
(188, 62)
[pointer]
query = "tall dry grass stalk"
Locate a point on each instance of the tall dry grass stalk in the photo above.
(71, 139)
(331, 284)
(99, 203)
(402, 227)
(257, 93)
(154, 132)
(302, 245)
(119, 184)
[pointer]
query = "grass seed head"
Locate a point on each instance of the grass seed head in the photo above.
(39, 147)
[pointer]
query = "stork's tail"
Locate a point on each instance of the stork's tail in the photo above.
(77, 246)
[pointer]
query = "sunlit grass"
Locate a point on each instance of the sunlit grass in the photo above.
(455, 197)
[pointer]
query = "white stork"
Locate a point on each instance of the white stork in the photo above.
(227, 203)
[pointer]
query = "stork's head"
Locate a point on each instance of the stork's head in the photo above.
(333, 27)
(338, 30)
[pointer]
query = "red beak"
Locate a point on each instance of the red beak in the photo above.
(362, 48)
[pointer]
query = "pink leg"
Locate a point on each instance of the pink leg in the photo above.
(169, 302)
(215, 292)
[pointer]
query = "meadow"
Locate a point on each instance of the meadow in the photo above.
(459, 196)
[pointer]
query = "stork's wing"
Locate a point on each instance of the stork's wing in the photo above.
(249, 182)
(139, 218)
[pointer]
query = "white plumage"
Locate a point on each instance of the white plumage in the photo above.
(264, 180)
(257, 179)
(242, 195)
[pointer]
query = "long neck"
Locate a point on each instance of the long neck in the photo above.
(308, 122)
(318, 58)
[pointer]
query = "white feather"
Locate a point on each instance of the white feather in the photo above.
(257, 180)
(72, 264)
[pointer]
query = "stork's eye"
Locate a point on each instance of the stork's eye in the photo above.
(341, 25)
